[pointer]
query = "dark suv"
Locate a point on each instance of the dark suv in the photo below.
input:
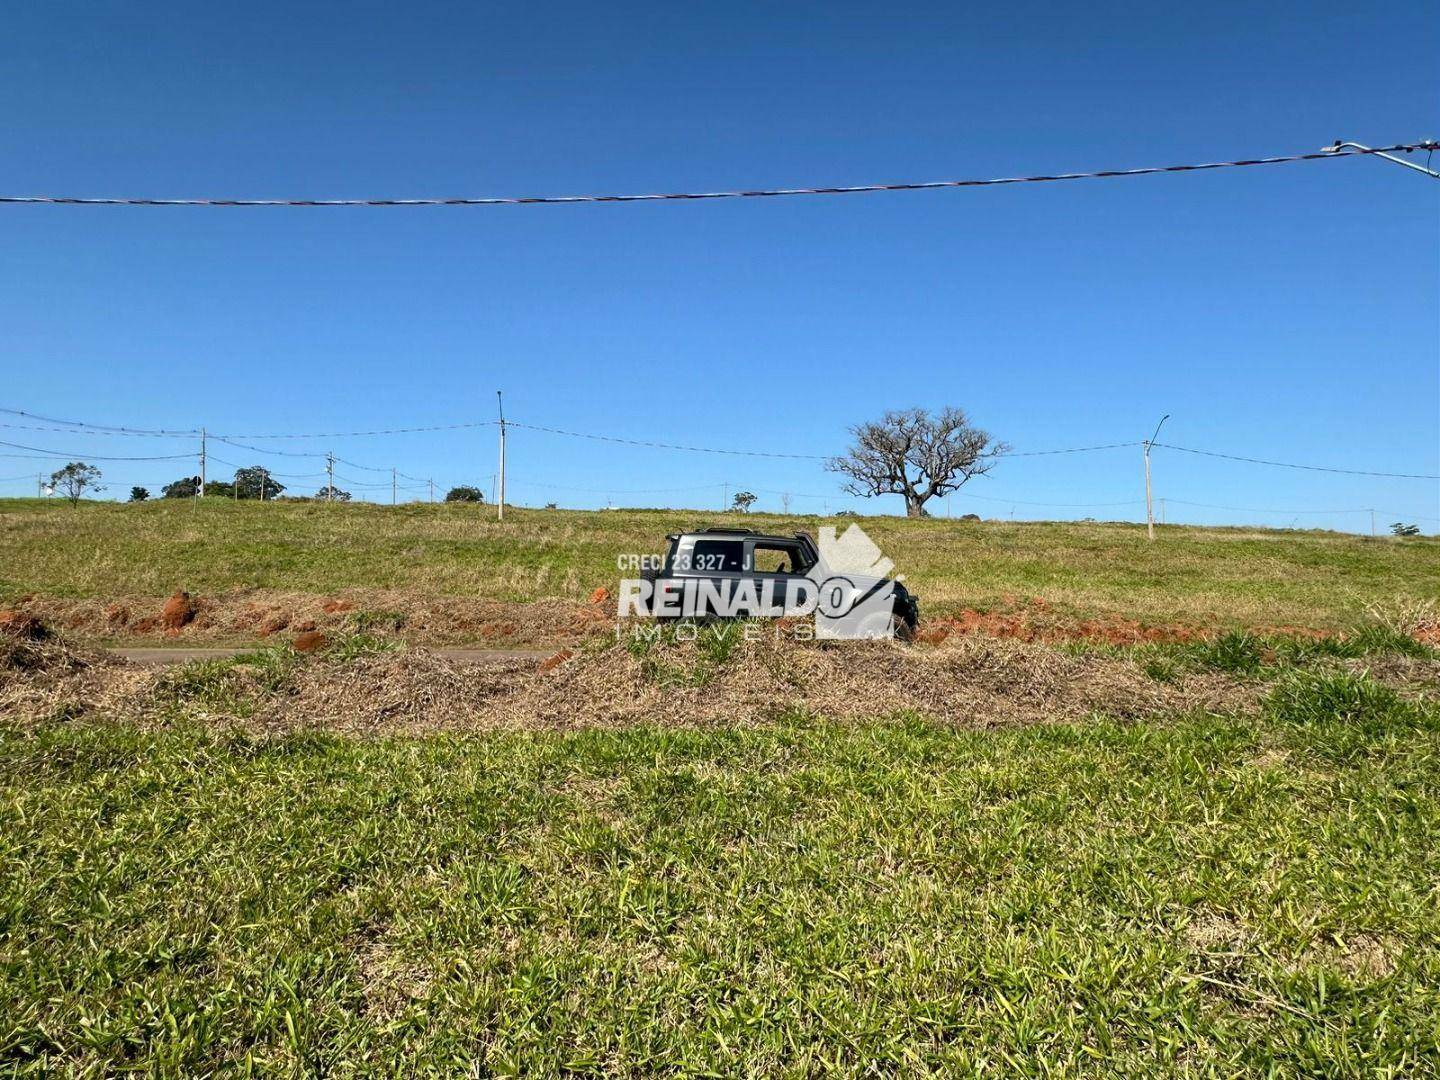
(729, 557)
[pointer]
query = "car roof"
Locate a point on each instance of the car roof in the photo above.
(741, 534)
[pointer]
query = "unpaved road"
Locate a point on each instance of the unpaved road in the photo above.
(160, 657)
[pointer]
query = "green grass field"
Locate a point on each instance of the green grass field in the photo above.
(1221, 577)
(187, 891)
(1206, 896)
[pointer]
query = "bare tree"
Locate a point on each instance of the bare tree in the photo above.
(912, 453)
(75, 479)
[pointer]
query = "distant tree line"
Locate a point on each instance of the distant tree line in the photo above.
(254, 482)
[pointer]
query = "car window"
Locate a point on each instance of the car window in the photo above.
(776, 559)
(716, 556)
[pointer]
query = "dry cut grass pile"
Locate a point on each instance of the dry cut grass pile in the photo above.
(969, 681)
(250, 614)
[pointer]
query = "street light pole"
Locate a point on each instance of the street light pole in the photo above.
(1430, 145)
(500, 403)
(1149, 502)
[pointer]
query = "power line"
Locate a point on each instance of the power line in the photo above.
(95, 457)
(1066, 450)
(1282, 510)
(268, 472)
(663, 445)
(619, 491)
(1291, 465)
(232, 440)
(357, 434)
(111, 429)
(1070, 506)
(1267, 509)
(1103, 174)
(86, 430)
(263, 450)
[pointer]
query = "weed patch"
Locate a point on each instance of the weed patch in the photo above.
(1340, 716)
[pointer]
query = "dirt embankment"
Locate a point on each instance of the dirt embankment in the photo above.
(968, 681)
(261, 615)
(258, 615)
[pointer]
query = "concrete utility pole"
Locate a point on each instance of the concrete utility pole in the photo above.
(200, 491)
(329, 476)
(500, 501)
(1372, 522)
(432, 490)
(1149, 504)
(392, 485)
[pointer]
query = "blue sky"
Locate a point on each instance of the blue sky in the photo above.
(1287, 312)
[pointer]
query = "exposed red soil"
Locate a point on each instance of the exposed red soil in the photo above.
(1036, 621)
(446, 620)
(22, 626)
(309, 641)
(248, 614)
(550, 663)
(178, 611)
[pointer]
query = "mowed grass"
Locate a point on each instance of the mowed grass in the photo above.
(1208, 896)
(1224, 577)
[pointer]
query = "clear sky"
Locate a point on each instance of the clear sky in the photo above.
(1286, 312)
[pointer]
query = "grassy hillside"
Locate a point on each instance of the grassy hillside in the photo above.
(1210, 576)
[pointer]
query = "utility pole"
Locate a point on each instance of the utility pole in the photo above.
(392, 485)
(200, 492)
(329, 476)
(725, 495)
(1372, 523)
(1149, 504)
(432, 491)
(1162, 511)
(500, 403)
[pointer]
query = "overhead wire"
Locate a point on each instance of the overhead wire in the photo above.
(752, 193)
(95, 457)
(113, 429)
(1291, 465)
